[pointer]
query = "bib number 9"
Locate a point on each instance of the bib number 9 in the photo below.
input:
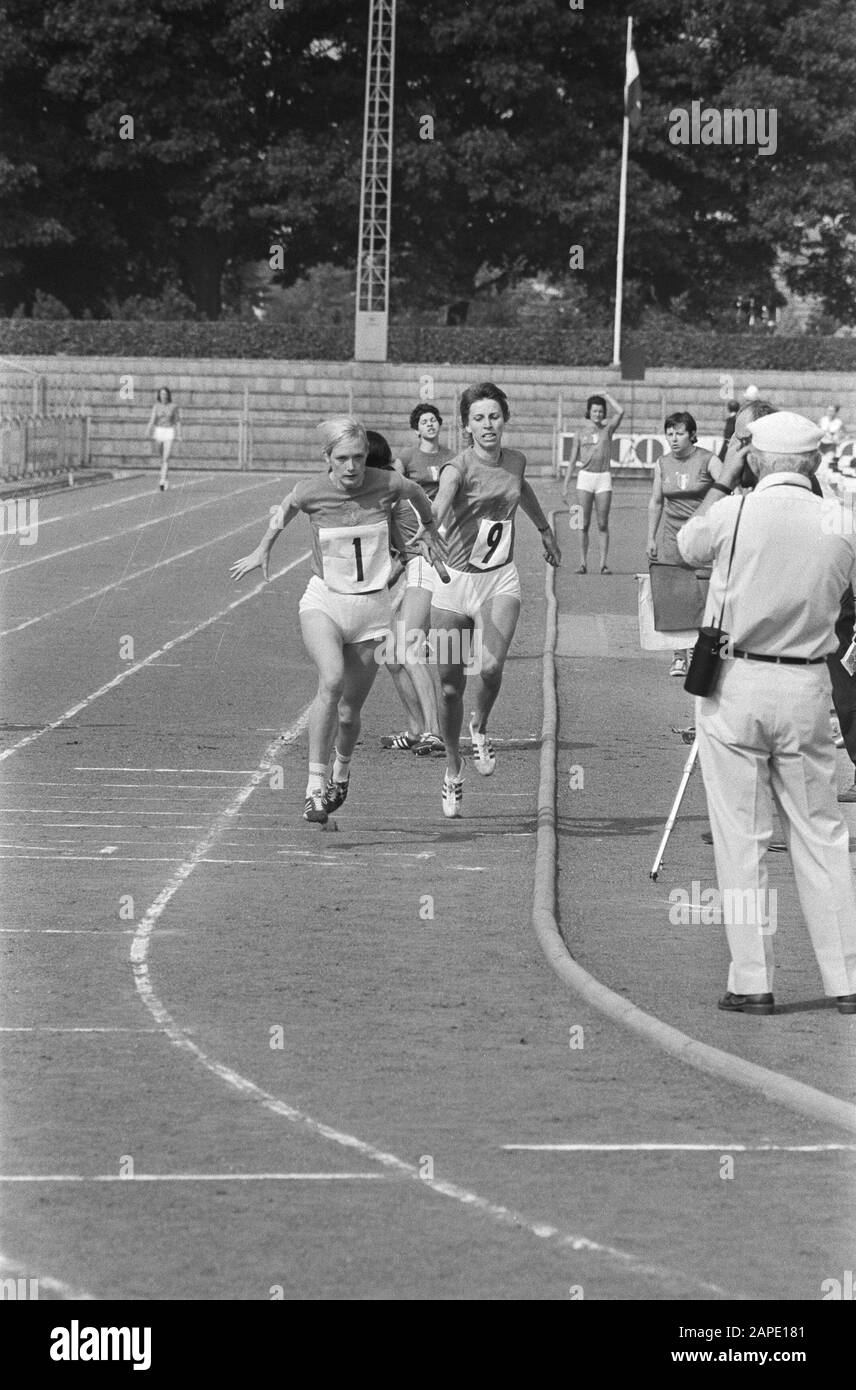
(355, 559)
(493, 544)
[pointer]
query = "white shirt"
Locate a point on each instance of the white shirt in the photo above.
(790, 567)
(832, 426)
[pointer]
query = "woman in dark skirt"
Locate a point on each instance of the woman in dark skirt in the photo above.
(682, 478)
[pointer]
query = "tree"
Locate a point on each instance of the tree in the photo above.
(247, 131)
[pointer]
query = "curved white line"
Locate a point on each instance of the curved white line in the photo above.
(505, 1216)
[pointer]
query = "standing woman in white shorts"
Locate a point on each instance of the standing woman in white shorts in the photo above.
(345, 610)
(480, 490)
(164, 427)
(591, 448)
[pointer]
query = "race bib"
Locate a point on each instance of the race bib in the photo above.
(492, 545)
(355, 559)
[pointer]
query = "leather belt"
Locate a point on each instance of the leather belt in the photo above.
(780, 660)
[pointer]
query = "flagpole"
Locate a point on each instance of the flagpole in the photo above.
(622, 218)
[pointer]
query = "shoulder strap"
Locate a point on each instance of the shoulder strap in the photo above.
(730, 558)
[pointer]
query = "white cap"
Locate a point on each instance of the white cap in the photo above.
(751, 393)
(784, 432)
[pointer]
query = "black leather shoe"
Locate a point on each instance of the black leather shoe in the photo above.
(748, 1003)
(846, 1003)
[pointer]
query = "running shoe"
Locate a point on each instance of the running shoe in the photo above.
(429, 744)
(402, 741)
(483, 754)
(453, 795)
(678, 666)
(314, 809)
(335, 795)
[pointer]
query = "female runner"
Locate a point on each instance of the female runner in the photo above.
(591, 447)
(480, 490)
(164, 427)
(421, 463)
(345, 610)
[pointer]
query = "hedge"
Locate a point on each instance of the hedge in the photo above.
(680, 346)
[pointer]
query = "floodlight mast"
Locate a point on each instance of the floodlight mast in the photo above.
(370, 333)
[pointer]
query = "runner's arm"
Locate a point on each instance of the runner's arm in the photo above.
(572, 462)
(280, 518)
(426, 537)
(450, 481)
(618, 412)
(531, 507)
(655, 512)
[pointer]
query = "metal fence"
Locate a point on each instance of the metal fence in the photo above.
(44, 426)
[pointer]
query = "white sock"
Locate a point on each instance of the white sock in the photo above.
(317, 779)
(341, 767)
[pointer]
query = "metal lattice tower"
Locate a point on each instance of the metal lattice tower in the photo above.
(370, 337)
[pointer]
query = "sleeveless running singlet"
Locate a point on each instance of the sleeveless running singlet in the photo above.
(595, 447)
(350, 530)
(684, 482)
(480, 533)
(423, 469)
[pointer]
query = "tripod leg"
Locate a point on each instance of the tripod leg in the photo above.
(673, 814)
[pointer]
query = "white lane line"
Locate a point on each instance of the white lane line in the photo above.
(88, 824)
(125, 578)
(129, 530)
(147, 661)
(130, 801)
(682, 1148)
(122, 859)
(193, 1177)
(87, 767)
(10, 1270)
(46, 1028)
(505, 1216)
(120, 501)
(140, 839)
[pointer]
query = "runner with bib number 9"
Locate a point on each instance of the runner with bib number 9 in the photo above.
(345, 610)
(480, 491)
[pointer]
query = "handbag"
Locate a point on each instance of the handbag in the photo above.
(678, 594)
(706, 662)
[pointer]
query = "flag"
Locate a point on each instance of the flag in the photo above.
(633, 91)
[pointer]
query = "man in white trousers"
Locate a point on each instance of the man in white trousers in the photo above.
(763, 734)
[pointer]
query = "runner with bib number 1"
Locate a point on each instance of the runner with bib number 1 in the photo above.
(345, 611)
(480, 491)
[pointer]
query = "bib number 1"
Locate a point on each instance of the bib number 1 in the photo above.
(355, 558)
(492, 545)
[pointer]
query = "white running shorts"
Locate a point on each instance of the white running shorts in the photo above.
(594, 482)
(359, 617)
(466, 593)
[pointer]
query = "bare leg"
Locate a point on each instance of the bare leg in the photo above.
(407, 694)
(166, 450)
(453, 678)
(323, 641)
(416, 616)
(586, 500)
(496, 624)
(360, 671)
(603, 502)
